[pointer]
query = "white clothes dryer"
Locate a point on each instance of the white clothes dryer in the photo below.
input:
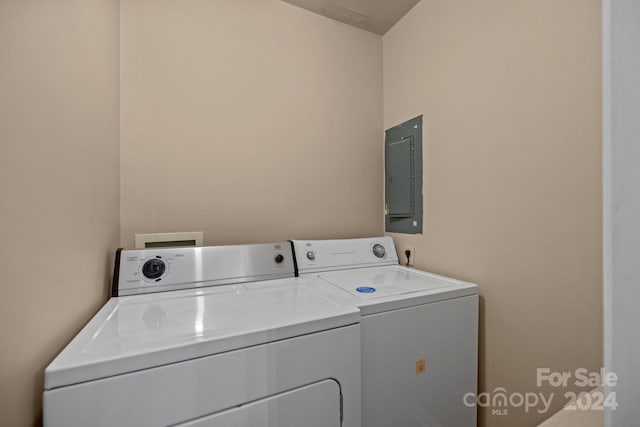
(234, 340)
(419, 331)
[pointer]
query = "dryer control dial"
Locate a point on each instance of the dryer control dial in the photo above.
(153, 268)
(311, 256)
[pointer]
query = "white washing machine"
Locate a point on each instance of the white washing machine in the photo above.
(234, 340)
(419, 331)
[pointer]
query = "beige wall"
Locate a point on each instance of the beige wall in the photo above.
(238, 116)
(250, 120)
(58, 184)
(510, 92)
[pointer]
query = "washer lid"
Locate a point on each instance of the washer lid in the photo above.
(139, 332)
(378, 282)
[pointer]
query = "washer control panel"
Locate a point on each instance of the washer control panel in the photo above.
(322, 255)
(152, 270)
(378, 250)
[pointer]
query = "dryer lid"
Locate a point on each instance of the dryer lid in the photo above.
(139, 332)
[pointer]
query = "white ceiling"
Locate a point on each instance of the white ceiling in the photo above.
(377, 16)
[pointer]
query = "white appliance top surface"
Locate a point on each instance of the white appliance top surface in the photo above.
(142, 331)
(377, 289)
(378, 282)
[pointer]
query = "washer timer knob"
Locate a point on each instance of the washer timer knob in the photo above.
(311, 256)
(378, 250)
(153, 268)
(279, 258)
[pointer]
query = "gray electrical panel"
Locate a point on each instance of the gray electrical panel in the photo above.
(403, 177)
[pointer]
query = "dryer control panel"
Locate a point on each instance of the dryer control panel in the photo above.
(323, 255)
(142, 271)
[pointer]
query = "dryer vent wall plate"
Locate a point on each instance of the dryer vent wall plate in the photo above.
(165, 240)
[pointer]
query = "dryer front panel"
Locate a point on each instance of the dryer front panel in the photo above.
(316, 405)
(258, 379)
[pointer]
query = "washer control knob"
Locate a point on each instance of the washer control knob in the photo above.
(311, 256)
(378, 250)
(153, 268)
(279, 258)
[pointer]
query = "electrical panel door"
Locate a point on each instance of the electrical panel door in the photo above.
(403, 177)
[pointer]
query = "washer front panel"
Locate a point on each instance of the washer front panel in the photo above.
(444, 337)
